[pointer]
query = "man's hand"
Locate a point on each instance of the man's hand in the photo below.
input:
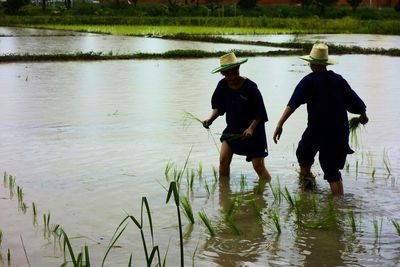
(363, 118)
(248, 133)
(207, 124)
(277, 133)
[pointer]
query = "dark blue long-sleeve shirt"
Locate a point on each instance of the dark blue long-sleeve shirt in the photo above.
(328, 97)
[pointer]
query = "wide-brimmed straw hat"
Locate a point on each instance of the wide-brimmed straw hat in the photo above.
(228, 61)
(319, 55)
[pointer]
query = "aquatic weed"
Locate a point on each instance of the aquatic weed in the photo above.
(203, 216)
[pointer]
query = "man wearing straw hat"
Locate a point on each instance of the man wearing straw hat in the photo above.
(328, 97)
(239, 98)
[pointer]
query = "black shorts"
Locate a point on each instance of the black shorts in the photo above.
(249, 148)
(331, 161)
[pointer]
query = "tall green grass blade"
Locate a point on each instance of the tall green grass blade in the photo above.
(87, 257)
(26, 254)
(174, 190)
(68, 245)
(130, 261)
(231, 224)
(273, 215)
(286, 194)
(115, 237)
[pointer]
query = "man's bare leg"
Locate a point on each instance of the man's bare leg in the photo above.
(337, 188)
(225, 159)
(259, 167)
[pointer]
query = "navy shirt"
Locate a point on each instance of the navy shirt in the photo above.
(328, 97)
(241, 107)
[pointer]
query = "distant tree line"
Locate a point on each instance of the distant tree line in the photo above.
(247, 7)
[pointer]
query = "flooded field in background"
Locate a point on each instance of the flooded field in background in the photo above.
(87, 140)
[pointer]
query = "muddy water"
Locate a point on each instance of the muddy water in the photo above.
(87, 140)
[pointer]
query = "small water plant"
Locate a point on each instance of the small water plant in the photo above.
(26, 254)
(1, 237)
(286, 194)
(276, 192)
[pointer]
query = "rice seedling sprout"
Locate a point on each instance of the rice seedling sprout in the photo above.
(34, 209)
(215, 173)
(203, 216)
(187, 208)
(286, 194)
(1, 237)
(276, 192)
(273, 215)
(5, 179)
(200, 171)
(8, 257)
(231, 224)
(394, 222)
(352, 221)
(386, 162)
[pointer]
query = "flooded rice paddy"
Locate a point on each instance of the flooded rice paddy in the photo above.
(87, 140)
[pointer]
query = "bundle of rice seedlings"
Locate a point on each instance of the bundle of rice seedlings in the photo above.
(354, 124)
(187, 116)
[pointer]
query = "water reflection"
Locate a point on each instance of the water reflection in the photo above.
(36, 41)
(241, 211)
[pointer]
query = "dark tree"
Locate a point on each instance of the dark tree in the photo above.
(354, 4)
(14, 5)
(247, 3)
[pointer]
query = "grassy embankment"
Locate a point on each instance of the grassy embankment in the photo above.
(202, 29)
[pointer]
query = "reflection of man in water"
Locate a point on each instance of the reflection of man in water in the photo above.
(231, 249)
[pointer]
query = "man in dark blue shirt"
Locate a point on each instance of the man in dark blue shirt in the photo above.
(239, 98)
(328, 97)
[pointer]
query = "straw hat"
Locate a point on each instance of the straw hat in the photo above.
(319, 55)
(228, 61)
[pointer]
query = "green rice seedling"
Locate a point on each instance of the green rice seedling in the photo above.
(276, 192)
(200, 171)
(347, 167)
(26, 254)
(5, 179)
(394, 222)
(298, 211)
(373, 173)
(215, 173)
(117, 234)
(231, 224)
(203, 216)
(286, 194)
(274, 217)
(187, 208)
(207, 188)
(386, 162)
(168, 168)
(34, 209)
(8, 257)
(173, 190)
(256, 208)
(1, 237)
(243, 182)
(356, 168)
(354, 124)
(376, 227)
(187, 116)
(352, 220)
(191, 180)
